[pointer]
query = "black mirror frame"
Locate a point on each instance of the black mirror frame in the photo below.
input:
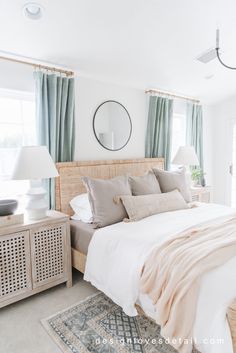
(131, 127)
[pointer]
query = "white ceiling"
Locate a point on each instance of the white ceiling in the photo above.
(140, 43)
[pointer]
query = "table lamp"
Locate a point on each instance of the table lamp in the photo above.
(186, 156)
(34, 163)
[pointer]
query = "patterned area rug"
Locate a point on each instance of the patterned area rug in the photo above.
(97, 325)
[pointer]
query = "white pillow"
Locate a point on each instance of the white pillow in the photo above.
(81, 206)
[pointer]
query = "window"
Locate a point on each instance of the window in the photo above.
(178, 133)
(179, 126)
(17, 128)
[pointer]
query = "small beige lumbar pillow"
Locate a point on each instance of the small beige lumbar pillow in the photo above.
(139, 207)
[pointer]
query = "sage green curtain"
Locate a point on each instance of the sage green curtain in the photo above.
(55, 117)
(194, 129)
(159, 129)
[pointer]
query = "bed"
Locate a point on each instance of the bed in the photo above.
(69, 184)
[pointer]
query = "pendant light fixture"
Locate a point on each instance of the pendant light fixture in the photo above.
(218, 51)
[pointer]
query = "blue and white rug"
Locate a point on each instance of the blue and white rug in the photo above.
(97, 325)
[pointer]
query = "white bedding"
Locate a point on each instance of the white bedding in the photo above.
(117, 253)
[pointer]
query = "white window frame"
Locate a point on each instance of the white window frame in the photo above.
(15, 94)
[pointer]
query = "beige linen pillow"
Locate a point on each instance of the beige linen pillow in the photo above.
(139, 207)
(173, 180)
(101, 197)
(145, 184)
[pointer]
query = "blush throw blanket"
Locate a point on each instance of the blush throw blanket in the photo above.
(172, 273)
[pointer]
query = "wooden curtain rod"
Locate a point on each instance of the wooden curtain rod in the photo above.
(38, 66)
(172, 95)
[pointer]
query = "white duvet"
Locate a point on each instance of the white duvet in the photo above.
(117, 253)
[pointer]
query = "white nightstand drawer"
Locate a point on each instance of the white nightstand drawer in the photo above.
(201, 194)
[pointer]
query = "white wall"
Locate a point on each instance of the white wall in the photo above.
(207, 145)
(89, 94)
(16, 77)
(220, 116)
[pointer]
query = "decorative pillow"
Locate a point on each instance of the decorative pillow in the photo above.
(101, 196)
(145, 184)
(139, 207)
(81, 206)
(173, 180)
(83, 216)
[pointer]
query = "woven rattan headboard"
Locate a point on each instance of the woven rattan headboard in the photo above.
(69, 184)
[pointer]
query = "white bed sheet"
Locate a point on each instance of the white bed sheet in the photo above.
(117, 253)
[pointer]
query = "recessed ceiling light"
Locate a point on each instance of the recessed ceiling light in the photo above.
(33, 11)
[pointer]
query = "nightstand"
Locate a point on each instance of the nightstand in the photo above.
(34, 256)
(201, 194)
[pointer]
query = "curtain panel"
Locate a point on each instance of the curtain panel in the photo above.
(55, 117)
(159, 129)
(194, 129)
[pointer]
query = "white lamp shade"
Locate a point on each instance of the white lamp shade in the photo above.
(186, 155)
(34, 162)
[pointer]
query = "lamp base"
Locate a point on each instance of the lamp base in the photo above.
(37, 204)
(188, 178)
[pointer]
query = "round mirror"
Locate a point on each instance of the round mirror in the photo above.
(112, 125)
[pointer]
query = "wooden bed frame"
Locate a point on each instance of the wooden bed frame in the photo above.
(69, 184)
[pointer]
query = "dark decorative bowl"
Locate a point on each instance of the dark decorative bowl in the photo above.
(8, 207)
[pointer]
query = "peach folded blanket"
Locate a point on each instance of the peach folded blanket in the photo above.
(171, 275)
